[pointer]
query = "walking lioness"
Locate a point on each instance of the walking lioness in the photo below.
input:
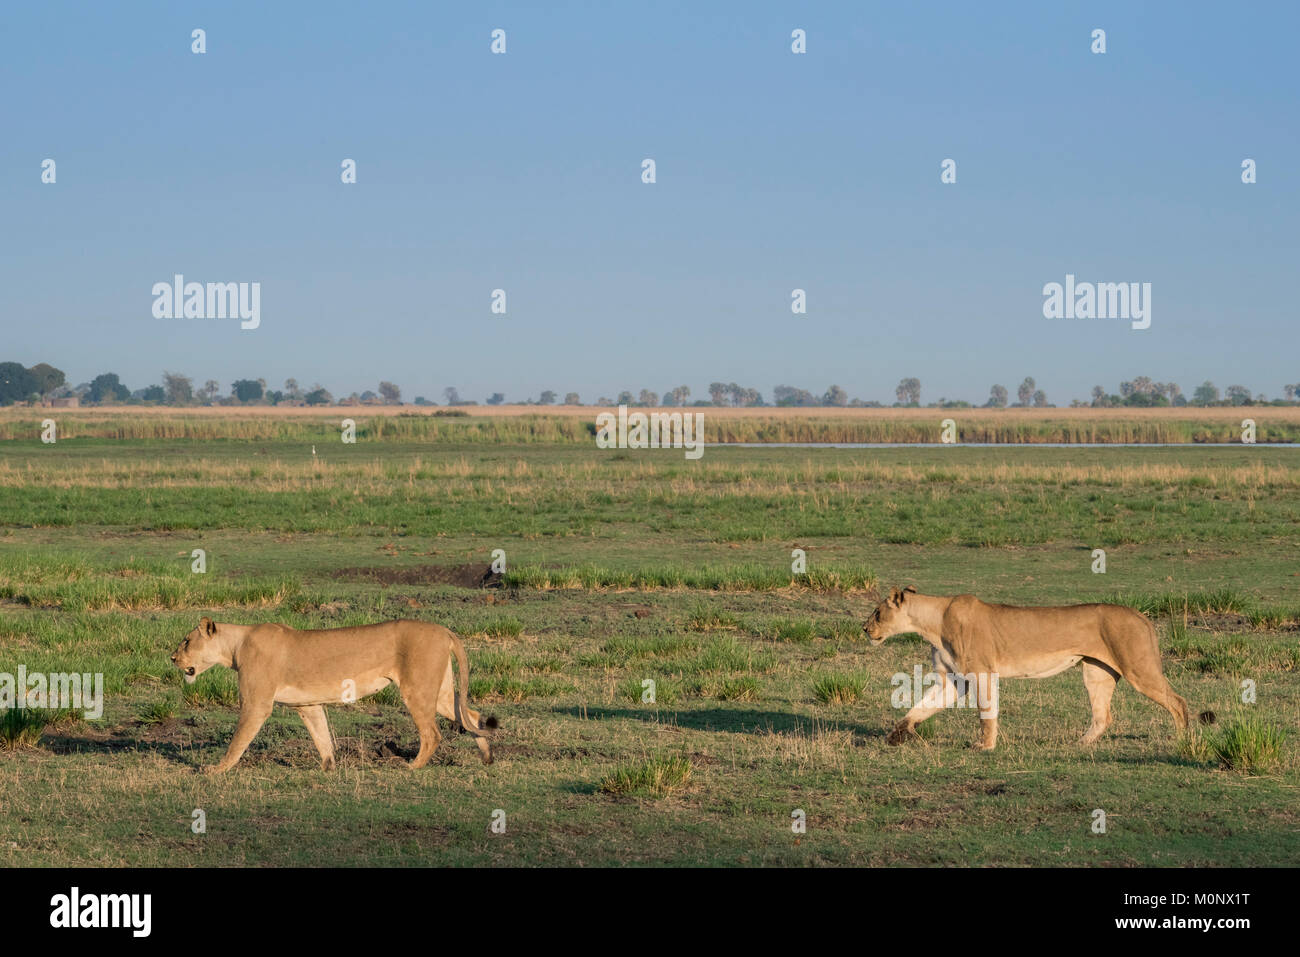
(973, 640)
(310, 669)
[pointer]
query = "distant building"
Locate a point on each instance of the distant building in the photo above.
(62, 402)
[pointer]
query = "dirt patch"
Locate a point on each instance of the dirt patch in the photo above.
(391, 752)
(462, 576)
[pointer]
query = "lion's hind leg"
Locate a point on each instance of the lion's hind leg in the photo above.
(313, 716)
(423, 706)
(1159, 690)
(1100, 681)
(1138, 659)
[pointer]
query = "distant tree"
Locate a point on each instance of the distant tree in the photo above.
(453, 397)
(738, 395)
(16, 382)
(275, 396)
(604, 401)
(718, 392)
(547, 397)
(391, 393)
(208, 394)
(787, 396)
(421, 400)
(368, 396)
(318, 395)
(291, 389)
(1289, 392)
(571, 398)
(46, 378)
(908, 391)
(1101, 400)
(107, 388)
(625, 398)
(178, 388)
(648, 398)
(1025, 393)
(835, 396)
(496, 398)
(678, 396)
(1237, 394)
(1040, 399)
(246, 390)
(1206, 393)
(998, 397)
(153, 393)
(1143, 400)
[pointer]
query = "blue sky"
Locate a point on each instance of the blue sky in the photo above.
(775, 171)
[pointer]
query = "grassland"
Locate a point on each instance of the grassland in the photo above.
(517, 425)
(627, 566)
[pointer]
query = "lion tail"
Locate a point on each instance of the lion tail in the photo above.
(462, 666)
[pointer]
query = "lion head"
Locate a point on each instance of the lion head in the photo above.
(199, 651)
(890, 617)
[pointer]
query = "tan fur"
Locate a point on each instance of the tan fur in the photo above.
(310, 669)
(971, 637)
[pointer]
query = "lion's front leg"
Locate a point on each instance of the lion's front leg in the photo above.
(989, 738)
(252, 715)
(936, 697)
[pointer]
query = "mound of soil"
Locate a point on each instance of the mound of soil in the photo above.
(462, 576)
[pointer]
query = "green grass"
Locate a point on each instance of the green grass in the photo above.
(56, 581)
(22, 727)
(838, 688)
(634, 568)
(156, 712)
(683, 577)
(1250, 745)
(655, 778)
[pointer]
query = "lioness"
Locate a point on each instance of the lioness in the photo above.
(972, 638)
(309, 669)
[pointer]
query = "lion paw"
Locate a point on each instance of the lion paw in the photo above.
(900, 734)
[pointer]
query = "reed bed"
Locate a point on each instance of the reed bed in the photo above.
(569, 425)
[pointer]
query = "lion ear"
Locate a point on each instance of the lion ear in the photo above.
(909, 590)
(208, 625)
(895, 596)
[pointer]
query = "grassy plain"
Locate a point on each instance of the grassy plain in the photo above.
(621, 567)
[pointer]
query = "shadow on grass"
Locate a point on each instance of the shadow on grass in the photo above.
(73, 744)
(735, 720)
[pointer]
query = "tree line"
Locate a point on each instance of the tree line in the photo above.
(45, 382)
